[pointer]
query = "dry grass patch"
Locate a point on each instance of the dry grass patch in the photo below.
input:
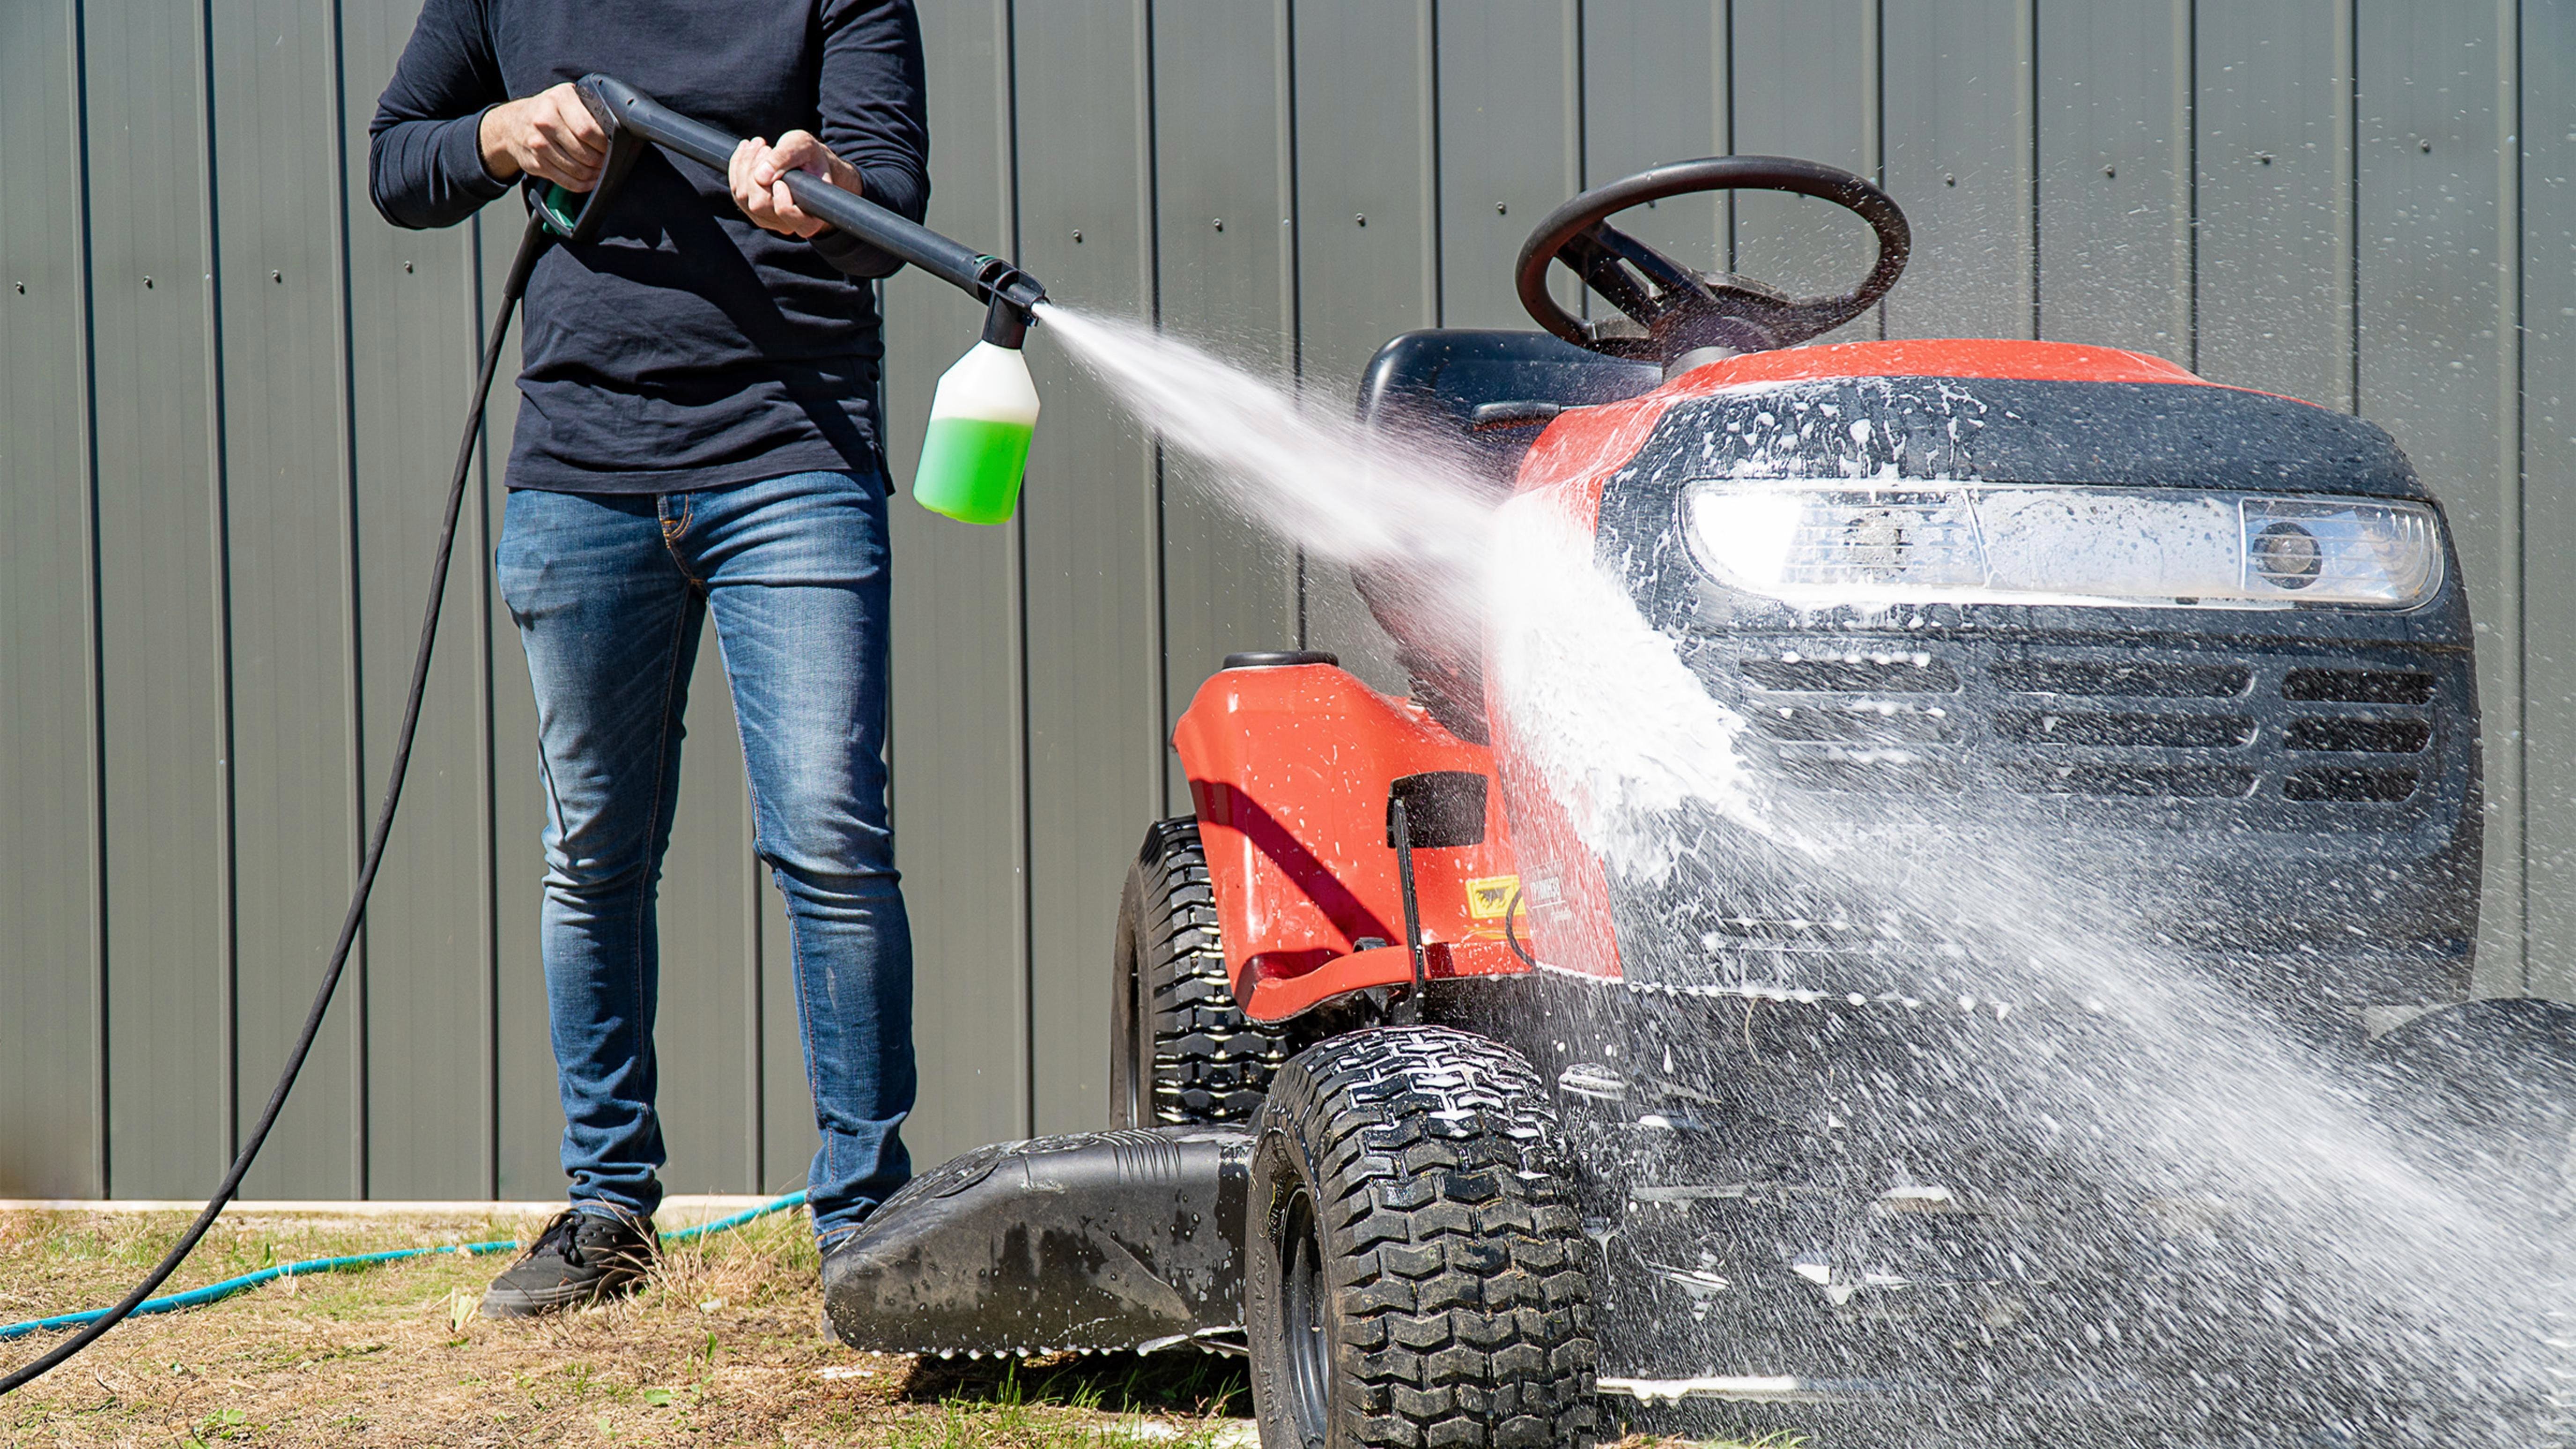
(724, 1346)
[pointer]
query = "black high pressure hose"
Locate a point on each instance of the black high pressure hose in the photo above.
(630, 118)
(532, 245)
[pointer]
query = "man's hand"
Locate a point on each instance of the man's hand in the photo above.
(550, 135)
(758, 174)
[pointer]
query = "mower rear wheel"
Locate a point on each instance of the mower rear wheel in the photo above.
(1181, 1051)
(1416, 1270)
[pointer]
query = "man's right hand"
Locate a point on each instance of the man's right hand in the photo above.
(550, 135)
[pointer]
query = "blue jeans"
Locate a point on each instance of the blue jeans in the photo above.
(609, 591)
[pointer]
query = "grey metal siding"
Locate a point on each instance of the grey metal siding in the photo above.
(959, 734)
(1226, 252)
(287, 569)
(222, 485)
(1091, 531)
(2548, 264)
(161, 617)
(52, 1067)
(2436, 346)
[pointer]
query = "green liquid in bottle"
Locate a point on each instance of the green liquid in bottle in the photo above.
(970, 468)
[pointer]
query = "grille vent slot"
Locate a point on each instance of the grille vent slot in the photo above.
(2400, 736)
(1896, 674)
(2187, 782)
(2357, 686)
(1875, 777)
(2150, 681)
(2378, 787)
(1855, 724)
(2098, 727)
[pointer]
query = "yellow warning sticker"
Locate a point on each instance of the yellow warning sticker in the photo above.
(1490, 899)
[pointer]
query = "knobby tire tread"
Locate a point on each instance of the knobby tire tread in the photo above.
(1460, 1274)
(1211, 1063)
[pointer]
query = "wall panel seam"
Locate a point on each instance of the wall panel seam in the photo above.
(2031, 156)
(2186, 148)
(93, 603)
(1431, 142)
(1291, 278)
(227, 874)
(2348, 182)
(1024, 745)
(1158, 618)
(353, 770)
(2511, 461)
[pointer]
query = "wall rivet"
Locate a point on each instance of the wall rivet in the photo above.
(406, 266)
(22, 289)
(1218, 223)
(1501, 209)
(1077, 236)
(279, 277)
(1359, 218)
(2111, 171)
(2264, 156)
(2423, 145)
(147, 284)
(1949, 180)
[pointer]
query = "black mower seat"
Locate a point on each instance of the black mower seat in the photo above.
(1483, 396)
(1492, 389)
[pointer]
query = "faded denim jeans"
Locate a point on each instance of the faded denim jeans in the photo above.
(610, 591)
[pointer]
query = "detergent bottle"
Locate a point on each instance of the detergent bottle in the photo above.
(981, 420)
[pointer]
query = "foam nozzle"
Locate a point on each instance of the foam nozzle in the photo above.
(1012, 299)
(1005, 325)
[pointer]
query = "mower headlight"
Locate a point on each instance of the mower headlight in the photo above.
(1824, 543)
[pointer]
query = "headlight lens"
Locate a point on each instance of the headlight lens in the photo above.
(1826, 543)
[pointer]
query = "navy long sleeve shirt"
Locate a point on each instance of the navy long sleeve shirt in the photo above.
(685, 347)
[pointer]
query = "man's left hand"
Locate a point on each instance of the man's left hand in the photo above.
(758, 174)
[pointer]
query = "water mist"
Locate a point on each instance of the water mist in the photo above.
(2146, 1085)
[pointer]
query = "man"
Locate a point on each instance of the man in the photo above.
(696, 436)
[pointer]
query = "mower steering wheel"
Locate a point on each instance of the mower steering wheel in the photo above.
(1673, 310)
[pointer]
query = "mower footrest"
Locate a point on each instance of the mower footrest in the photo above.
(1102, 1241)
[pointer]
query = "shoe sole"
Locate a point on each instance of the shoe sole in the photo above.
(533, 1302)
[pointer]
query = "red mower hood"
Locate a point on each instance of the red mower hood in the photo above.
(1585, 445)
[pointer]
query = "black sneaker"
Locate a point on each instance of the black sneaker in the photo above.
(580, 1258)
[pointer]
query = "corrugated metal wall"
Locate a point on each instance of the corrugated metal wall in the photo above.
(227, 390)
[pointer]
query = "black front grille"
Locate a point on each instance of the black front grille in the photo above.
(1950, 717)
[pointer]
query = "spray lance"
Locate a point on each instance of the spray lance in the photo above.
(982, 418)
(985, 410)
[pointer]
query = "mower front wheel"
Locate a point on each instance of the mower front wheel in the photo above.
(1417, 1269)
(1181, 1051)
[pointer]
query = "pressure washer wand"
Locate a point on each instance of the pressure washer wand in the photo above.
(984, 414)
(987, 279)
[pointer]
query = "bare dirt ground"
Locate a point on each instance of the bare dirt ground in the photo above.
(723, 1347)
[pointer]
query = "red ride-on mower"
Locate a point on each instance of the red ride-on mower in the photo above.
(1465, 1135)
